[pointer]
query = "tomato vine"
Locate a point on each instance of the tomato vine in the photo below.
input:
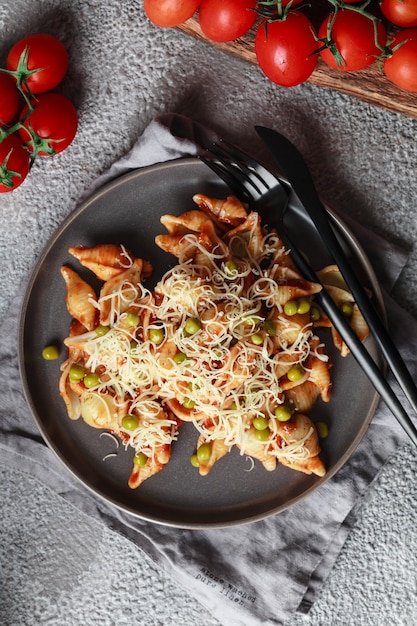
(34, 120)
(352, 35)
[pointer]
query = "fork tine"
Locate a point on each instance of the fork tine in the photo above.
(238, 178)
(241, 167)
(246, 162)
(231, 181)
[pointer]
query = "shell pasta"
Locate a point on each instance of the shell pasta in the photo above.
(226, 341)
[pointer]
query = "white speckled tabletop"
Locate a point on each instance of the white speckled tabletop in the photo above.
(58, 566)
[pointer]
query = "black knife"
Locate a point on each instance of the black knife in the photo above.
(294, 168)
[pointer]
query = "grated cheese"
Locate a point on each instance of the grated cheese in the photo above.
(226, 378)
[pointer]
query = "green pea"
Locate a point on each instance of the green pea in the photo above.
(156, 335)
(295, 373)
(231, 269)
(140, 459)
(262, 435)
(347, 309)
(290, 308)
(303, 305)
(257, 339)
(192, 325)
(322, 429)
(269, 327)
(204, 452)
(194, 460)
(102, 330)
(91, 380)
(314, 314)
(76, 373)
(283, 413)
(130, 422)
(260, 423)
(132, 318)
(179, 358)
(50, 353)
(188, 403)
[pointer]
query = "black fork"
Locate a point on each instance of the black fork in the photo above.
(251, 182)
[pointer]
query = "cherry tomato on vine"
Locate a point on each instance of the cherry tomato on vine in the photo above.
(54, 122)
(353, 44)
(170, 13)
(46, 54)
(401, 67)
(9, 98)
(226, 20)
(400, 12)
(14, 163)
(285, 49)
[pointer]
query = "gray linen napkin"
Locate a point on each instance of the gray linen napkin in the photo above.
(249, 575)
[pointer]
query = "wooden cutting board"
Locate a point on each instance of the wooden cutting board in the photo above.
(369, 85)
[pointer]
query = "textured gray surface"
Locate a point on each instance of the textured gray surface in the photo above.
(58, 567)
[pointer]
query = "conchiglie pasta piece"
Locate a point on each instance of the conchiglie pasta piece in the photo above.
(123, 289)
(246, 240)
(283, 361)
(189, 222)
(229, 211)
(331, 276)
(357, 321)
(334, 283)
(180, 411)
(299, 449)
(101, 410)
(289, 327)
(192, 222)
(319, 366)
(257, 450)
(303, 397)
(104, 260)
(81, 298)
(292, 286)
(75, 350)
(69, 396)
(176, 245)
(141, 473)
(218, 450)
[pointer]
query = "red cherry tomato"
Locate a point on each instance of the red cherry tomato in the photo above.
(54, 122)
(14, 163)
(9, 98)
(170, 13)
(285, 49)
(226, 20)
(353, 45)
(46, 54)
(400, 12)
(401, 67)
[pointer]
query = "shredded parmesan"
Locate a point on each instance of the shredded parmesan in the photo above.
(230, 367)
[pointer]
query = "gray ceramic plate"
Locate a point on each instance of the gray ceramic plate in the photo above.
(127, 211)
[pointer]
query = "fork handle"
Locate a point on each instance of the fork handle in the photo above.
(354, 344)
(319, 216)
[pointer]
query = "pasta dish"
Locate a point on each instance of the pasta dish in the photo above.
(226, 341)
